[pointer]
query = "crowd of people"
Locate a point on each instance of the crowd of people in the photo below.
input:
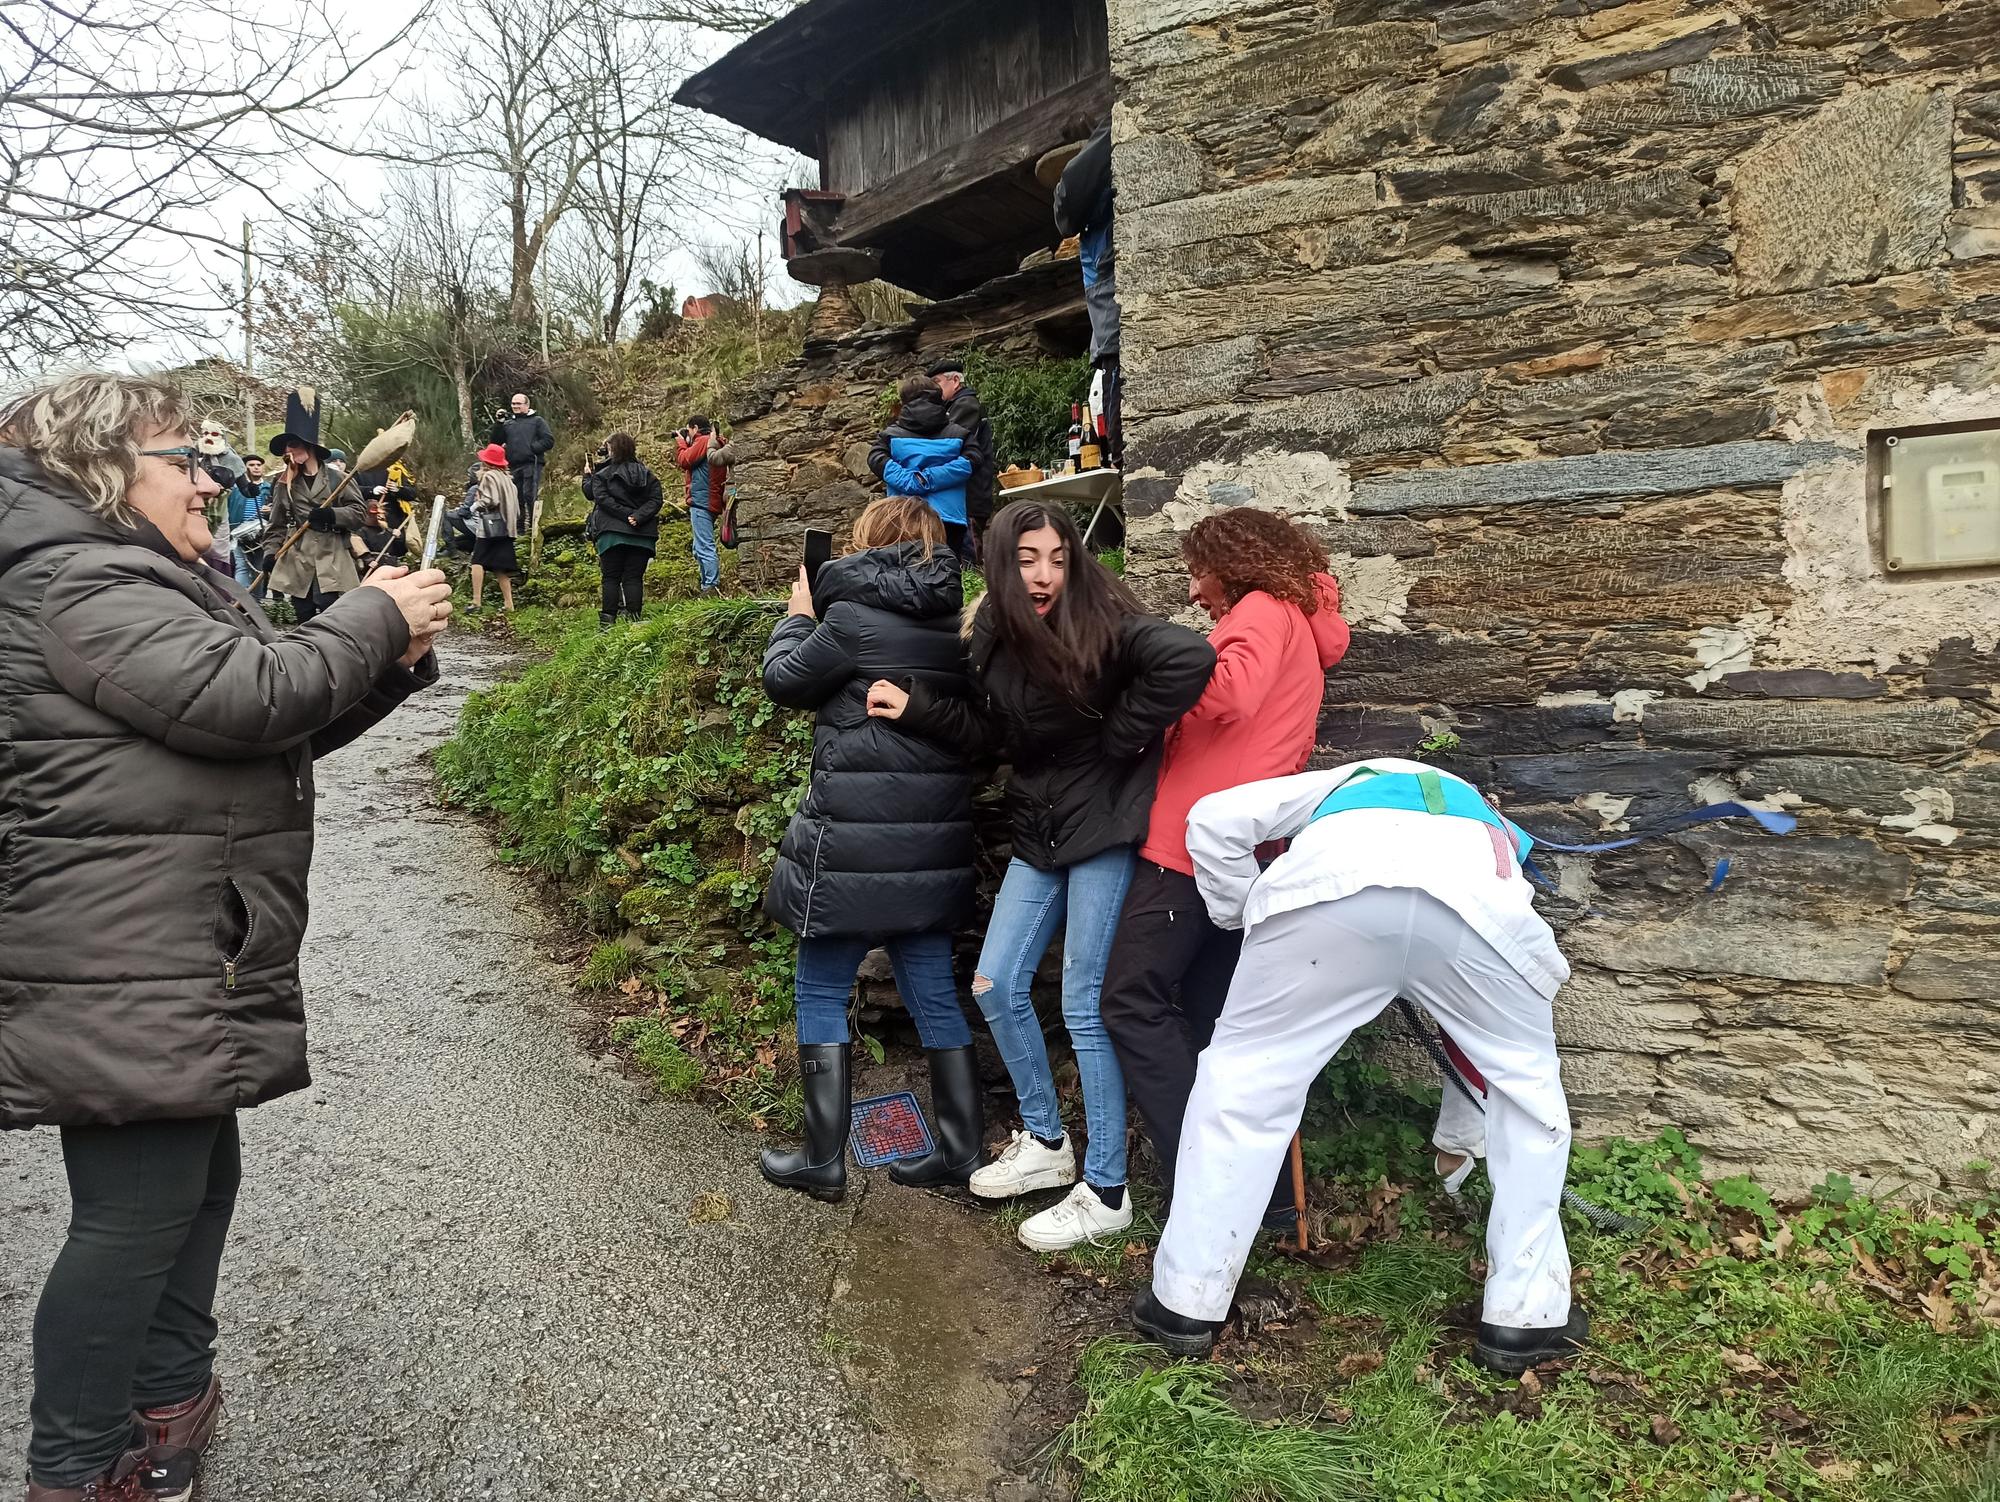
(1148, 766)
(1227, 917)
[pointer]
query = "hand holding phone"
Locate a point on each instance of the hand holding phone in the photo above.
(819, 551)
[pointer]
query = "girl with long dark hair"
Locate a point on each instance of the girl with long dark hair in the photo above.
(881, 850)
(1073, 686)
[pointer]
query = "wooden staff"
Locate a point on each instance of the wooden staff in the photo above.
(1298, 1157)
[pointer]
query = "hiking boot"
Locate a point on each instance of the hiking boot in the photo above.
(180, 1430)
(1024, 1166)
(1176, 1334)
(1510, 1350)
(819, 1167)
(961, 1123)
(1081, 1217)
(124, 1482)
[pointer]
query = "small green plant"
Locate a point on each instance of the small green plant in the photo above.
(609, 966)
(1442, 743)
(654, 1049)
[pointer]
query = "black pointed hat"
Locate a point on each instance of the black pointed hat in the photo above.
(301, 422)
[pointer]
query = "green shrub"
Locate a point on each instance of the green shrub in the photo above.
(645, 769)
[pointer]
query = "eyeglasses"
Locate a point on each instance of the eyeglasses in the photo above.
(192, 455)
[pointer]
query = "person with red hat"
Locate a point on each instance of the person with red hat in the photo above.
(495, 523)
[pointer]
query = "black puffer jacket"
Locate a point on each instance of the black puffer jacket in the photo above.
(883, 843)
(156, 814)
(1082, 772)
(619, 491)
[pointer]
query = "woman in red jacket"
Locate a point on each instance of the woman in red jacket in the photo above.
(1264, 582)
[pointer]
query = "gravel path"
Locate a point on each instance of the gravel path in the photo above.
(463, 1264)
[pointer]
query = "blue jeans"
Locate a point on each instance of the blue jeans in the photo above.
(825, 982)
(1031, 905)
(246, 571)
(703, 521)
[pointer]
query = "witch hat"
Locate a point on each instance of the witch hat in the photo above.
(301, 423)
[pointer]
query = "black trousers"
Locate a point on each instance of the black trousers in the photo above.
(127, 1317)
(306, 606)
(1164, 987)
(624, 571)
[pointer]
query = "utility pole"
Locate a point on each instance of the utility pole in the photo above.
(249, 354)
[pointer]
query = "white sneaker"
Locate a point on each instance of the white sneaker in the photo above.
(1024, 1167)
(1080, 1217)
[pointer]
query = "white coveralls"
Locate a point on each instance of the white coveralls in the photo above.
(1367, 904)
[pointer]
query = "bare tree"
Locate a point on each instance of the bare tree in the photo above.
(111, 162)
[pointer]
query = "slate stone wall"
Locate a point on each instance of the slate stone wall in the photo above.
(1566, 323)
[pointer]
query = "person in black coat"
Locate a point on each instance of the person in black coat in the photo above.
(524, 433)
(624, 523)
(881, 850)
(1075, 686)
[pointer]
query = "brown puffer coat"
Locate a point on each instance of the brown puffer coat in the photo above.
(156, 747)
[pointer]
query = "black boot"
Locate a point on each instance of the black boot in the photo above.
(819, 1167)
(605, 622)
(1512, 1351)
(960, 1121)
(1176, 1334)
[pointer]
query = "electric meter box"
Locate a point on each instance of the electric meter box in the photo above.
(1936, 496)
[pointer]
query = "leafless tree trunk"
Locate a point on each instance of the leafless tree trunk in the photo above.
(112, 153)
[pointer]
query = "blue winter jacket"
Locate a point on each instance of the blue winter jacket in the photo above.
(934, 468)
(243, 508)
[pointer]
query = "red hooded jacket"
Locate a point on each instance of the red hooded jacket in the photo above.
(1259, 715)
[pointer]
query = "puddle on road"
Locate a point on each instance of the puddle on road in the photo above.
(935, 1315)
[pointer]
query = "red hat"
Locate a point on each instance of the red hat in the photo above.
(494, 455)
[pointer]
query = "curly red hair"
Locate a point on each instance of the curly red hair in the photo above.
(1247, 549)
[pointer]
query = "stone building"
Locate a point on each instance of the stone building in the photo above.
(1579, 331)
(1571, 324)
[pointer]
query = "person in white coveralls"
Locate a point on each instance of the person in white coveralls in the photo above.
(1400, 881)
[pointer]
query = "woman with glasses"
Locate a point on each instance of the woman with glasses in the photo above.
(157, 741)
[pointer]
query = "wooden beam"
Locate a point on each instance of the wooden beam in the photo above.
(994, 152)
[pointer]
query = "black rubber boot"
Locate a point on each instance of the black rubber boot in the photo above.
(1176, 1334)
(1512, 1351)
(960, 1122)
(819, 1167)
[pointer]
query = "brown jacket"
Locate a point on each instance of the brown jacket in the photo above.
(157, 740)
(322, 558)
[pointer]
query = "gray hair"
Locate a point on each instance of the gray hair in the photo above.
(85, 430)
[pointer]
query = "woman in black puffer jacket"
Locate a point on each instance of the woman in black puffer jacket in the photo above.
(881, 851)
(624, 524)
(1074, 685)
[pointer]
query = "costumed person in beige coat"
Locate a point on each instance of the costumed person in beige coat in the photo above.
(320, 566)
(495, 522)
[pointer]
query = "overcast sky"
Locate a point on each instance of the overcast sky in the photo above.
(747, 203)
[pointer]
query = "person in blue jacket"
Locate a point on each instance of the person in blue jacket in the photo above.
(249, 500)
(922, 453)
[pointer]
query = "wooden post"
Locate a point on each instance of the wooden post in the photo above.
(1299, 1187)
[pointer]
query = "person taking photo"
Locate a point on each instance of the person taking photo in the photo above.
(881, 851)
(1074, 685)
(159, 738)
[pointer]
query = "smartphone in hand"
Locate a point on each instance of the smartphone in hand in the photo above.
(819, 551)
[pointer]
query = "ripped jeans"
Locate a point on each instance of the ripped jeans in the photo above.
(1084, 900)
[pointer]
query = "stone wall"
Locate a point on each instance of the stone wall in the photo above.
(1565, 322)
(803, 430)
